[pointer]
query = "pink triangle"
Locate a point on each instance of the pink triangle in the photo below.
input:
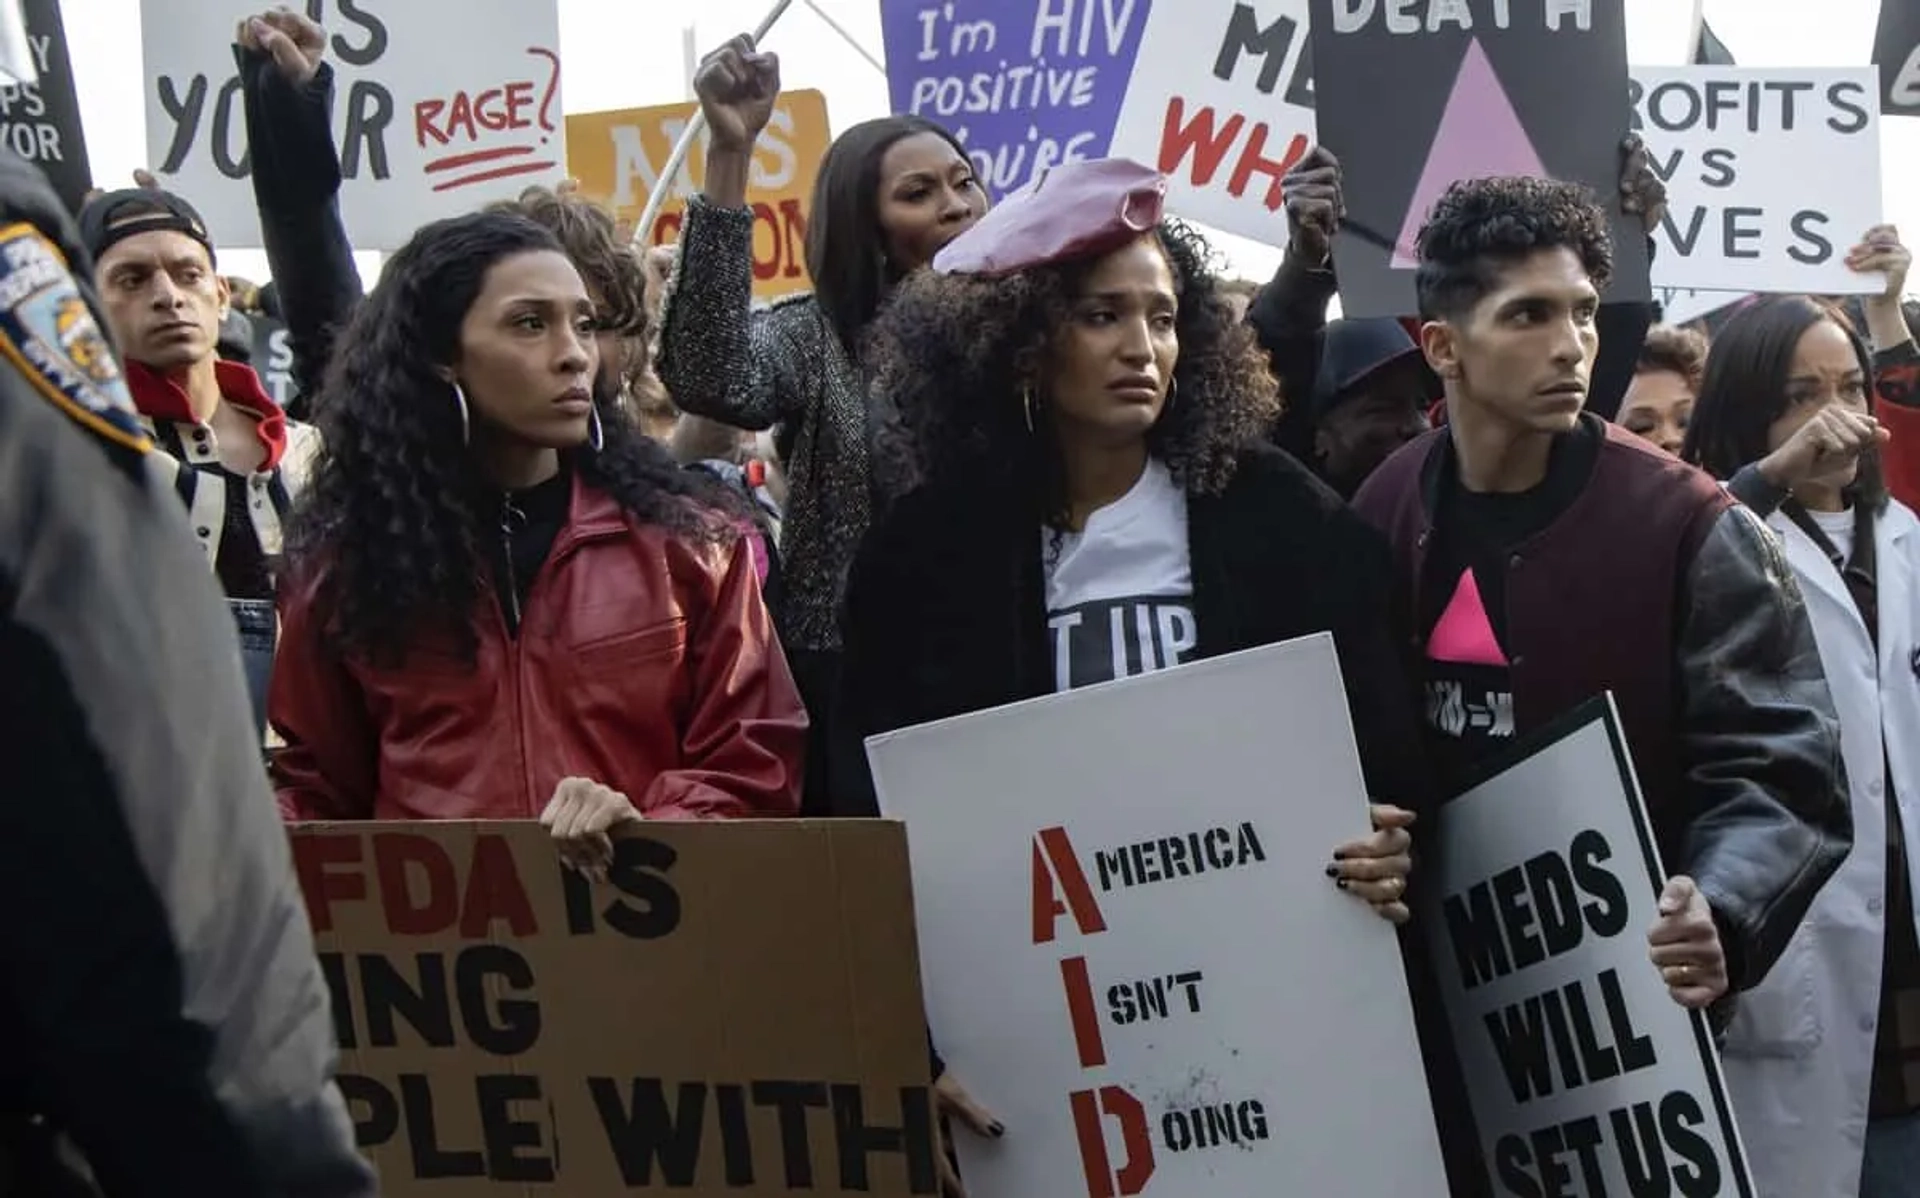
(1463, 635)
(1480, 136)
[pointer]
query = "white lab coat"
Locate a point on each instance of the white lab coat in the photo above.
(1799, 1055)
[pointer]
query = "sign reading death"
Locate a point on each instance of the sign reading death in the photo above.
(414, 121)
(488, 1005)
(1095, 873)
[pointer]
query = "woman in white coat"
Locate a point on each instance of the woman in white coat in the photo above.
(1823, 1059)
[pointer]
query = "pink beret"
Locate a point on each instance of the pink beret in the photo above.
(1075, 210)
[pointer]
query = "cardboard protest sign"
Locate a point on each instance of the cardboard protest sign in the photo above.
(735, 1012)
(1578, 1064)
(1224, 106)
(1133, 953)
(618, 157)
(1024, 84)
(442, 106)
(1896, 51)
(1749, 156)
(1415, 95)
(40, 121)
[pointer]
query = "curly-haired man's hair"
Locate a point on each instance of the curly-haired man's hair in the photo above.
(1674, 349)
(392, 522)
(953, 353)
(1481, 226)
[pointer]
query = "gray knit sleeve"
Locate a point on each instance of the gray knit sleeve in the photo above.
(719, 357)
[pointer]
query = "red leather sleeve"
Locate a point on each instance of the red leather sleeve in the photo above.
(1896, 380)
(328, 768)
(744, 744)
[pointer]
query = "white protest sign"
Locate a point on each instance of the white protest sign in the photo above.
(440, 106)
(1133, 953)
(1583, 1074)
(1772, 175)
(1679, 305)
(1221, 101)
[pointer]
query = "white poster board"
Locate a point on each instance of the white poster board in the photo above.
(1133, 953)
(1221, 101)
(1581, 1070)
(1754, 159)
(440, 107)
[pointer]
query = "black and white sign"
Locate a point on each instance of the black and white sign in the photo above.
(40, 121)
(273, 358)
(1583, 1074)
(1750, 155)
(1896, 51)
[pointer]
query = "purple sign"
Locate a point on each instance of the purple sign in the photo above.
(1024, 84)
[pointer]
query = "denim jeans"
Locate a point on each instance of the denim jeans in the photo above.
(254, 620)
(1892, 1165)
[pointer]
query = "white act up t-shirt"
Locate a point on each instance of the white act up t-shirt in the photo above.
(1120, 592)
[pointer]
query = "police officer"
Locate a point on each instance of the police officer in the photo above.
(166, 1026)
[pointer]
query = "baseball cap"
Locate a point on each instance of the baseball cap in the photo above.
(109, 219)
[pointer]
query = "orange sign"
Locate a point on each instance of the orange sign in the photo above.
(618, 157)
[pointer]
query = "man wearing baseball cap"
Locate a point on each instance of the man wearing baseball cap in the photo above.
(238, 459)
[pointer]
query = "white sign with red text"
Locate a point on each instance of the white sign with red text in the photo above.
(1132, 951)
(440, 106)
(1221, 101)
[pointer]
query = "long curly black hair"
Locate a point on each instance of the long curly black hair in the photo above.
(950, 353)
(391, 523)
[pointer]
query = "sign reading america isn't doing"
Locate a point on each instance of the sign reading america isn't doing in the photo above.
(425, 129)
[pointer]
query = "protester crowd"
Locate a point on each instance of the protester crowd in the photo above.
(560, 529)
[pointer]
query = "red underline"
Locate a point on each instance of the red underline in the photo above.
(460, 160)
(522, 168)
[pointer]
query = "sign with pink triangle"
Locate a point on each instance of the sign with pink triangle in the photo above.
(1415, 95)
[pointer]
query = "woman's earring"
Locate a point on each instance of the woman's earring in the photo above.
(1173, 393)
(466, 425)
(596, 434)
(1026, 401)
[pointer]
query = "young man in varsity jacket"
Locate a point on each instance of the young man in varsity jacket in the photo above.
(1545, 557)
(237, 459)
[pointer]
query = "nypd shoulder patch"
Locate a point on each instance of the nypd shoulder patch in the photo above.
(48, 333)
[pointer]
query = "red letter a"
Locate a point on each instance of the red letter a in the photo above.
(1102, 1181)
(1056, 871)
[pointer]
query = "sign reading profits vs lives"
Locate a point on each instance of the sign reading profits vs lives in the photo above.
(1024, 84)
(427, 126)
(1223, 105)
(1133, 953)
(1416, 95)
(735, 1011)
(1749, 155)
(618, 157)
(1583, 1074)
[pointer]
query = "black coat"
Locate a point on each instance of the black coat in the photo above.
(946, 611)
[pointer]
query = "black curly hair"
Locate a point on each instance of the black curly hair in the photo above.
(391, 523)
(1481, 225)
(949, 353)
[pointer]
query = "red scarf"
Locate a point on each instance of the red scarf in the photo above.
(161, 398)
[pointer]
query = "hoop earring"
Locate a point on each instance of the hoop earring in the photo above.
(1173, 393)
(460, 404)
(596, 434)
(1026, 402)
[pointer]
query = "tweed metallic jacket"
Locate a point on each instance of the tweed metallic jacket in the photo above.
(781, 365)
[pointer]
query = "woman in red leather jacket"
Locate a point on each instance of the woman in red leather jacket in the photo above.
(504, 602)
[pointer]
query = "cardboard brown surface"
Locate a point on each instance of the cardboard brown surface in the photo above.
(737, 1011)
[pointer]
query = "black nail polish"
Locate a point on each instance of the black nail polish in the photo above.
(998, 1129)
(1339, 854)
(1333, 871)
(1342, 883)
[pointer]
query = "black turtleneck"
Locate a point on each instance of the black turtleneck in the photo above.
(525, 528)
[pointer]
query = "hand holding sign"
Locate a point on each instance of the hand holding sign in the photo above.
(1315, 206)
(295, 44)
(1376, 868)
(1880, 250)
(737, 86)
(1684, 944)
(1642, 192)
(955, 1103)
(579, 816)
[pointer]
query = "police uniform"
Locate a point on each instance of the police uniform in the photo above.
(167, 1021)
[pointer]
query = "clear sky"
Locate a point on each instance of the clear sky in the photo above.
(624, 53)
